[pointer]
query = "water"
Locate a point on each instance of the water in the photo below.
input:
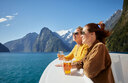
(23, 67)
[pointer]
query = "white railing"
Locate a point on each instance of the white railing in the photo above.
(53, 74)
(120, 67)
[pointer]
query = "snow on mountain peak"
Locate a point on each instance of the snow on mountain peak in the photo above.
(66, 35)
(63, 32)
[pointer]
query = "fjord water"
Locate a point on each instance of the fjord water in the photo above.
(23, 67)
(28, 67)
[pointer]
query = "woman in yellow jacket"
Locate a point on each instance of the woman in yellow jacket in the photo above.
(79, 49)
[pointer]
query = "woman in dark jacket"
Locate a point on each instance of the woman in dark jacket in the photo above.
(97, 62)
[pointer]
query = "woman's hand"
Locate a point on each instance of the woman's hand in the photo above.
(76, 64)
(73, 66)
(59, 65)
(61, 57)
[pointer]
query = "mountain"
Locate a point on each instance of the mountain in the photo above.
(3, 48)
(47, 41)
(66, 37)
(24, 44)
(110, 23)
(118, 41)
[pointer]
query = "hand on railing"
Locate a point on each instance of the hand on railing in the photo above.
(59, 65)
(61, 57)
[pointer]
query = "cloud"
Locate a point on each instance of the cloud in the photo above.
(7, 25)
(3, 19)
(10, 17)
(15, 14)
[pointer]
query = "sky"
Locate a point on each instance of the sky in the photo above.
(20, 17)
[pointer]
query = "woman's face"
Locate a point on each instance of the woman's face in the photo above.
(86, 36)
(77, 36)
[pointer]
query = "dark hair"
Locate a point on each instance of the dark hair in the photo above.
(99, 30)
(80, 28)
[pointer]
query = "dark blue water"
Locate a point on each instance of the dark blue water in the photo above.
(23, 67)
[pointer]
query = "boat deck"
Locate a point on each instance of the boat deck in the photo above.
(54, 74)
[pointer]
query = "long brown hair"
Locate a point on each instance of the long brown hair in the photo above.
(99, 30)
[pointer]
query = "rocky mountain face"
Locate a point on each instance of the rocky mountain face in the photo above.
(3, 48)
(118, 41)
(47, 41)
(110, 23)
(24, 44)
(66, 37)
